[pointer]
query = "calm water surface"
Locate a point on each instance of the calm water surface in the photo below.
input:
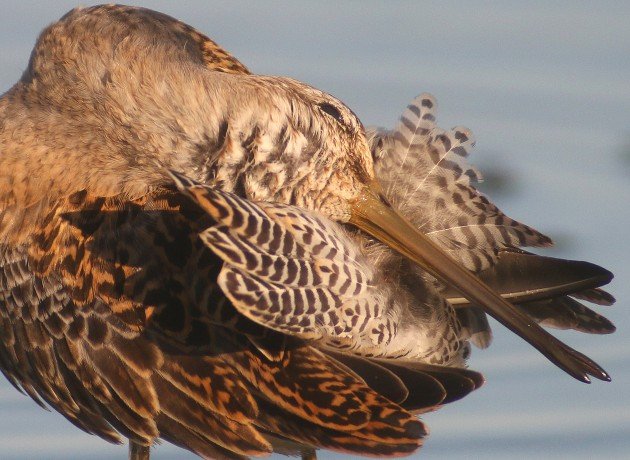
(545, 89)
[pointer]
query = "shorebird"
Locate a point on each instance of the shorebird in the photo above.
(232, 263)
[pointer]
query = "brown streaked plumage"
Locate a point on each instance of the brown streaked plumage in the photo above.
(195, 253)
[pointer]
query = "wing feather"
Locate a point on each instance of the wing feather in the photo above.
(116, 320)
(298, 273)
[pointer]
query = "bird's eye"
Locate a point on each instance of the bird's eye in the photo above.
(332, 111)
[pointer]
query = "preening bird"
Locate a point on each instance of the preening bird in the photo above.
(232, 263)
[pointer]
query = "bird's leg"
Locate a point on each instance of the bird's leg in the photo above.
(138, 451)
(309, 454)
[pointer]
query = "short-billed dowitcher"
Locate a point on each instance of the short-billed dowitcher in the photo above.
(232, 263)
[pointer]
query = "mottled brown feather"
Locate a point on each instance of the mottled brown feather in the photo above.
(133, 339)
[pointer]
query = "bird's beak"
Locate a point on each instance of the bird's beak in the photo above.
(373, 214)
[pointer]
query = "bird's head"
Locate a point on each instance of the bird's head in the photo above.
(304, 147)
(320, 144)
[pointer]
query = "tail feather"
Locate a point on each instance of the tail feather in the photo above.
(425, 392)
(376, 376)
(426, 386)
(457, 382)
(454, 383)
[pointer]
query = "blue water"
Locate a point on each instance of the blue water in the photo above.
(544, 87)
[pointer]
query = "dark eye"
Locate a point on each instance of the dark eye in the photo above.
(332, 111)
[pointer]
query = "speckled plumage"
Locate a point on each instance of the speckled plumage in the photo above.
(175, 261)
(423, 171)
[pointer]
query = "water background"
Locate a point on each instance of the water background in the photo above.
(545, 87)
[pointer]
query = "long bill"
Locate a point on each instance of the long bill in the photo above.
(373, 214)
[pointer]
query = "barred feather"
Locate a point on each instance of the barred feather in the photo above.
(424, 173)
(299, 273)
